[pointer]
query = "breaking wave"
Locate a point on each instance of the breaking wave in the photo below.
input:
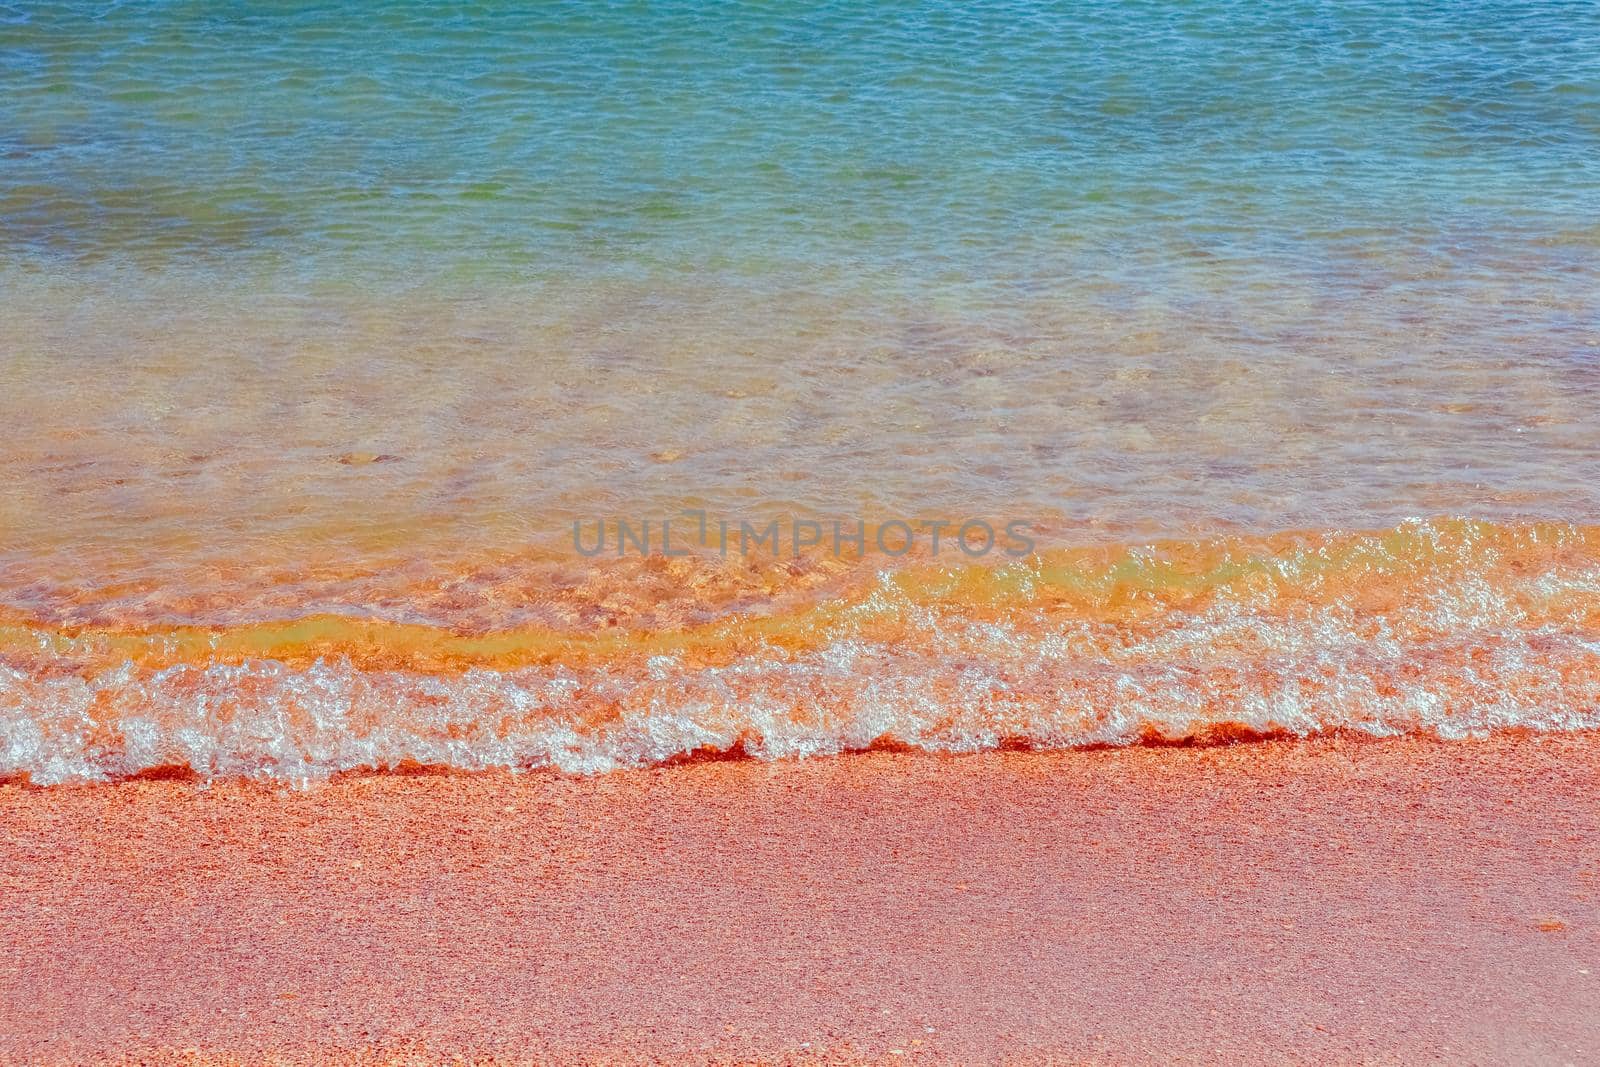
(1448, 628)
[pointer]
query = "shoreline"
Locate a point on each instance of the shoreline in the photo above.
(1335, 900)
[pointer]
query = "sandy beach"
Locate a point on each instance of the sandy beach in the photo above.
(1334, 901)
(689, 533)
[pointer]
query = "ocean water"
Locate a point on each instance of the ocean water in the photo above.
(1277, 326)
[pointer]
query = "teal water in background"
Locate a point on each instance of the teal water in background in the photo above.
(1135, 268)
(942, 143)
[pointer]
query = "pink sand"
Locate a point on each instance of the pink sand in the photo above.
(1332, 902)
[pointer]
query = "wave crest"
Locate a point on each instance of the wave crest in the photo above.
(1453, 630)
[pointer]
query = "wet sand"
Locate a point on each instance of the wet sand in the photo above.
(1343, 901)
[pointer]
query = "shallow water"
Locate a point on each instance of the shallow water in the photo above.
(351, 314)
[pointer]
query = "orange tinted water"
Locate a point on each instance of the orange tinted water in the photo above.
(1450, 627)
(169, 434)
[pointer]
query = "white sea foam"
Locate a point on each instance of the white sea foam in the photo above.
(1452, 666)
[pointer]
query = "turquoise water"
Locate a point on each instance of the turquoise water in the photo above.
(1129, 268)
(936, 145)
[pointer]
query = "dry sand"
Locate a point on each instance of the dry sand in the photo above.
(1336, 901)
